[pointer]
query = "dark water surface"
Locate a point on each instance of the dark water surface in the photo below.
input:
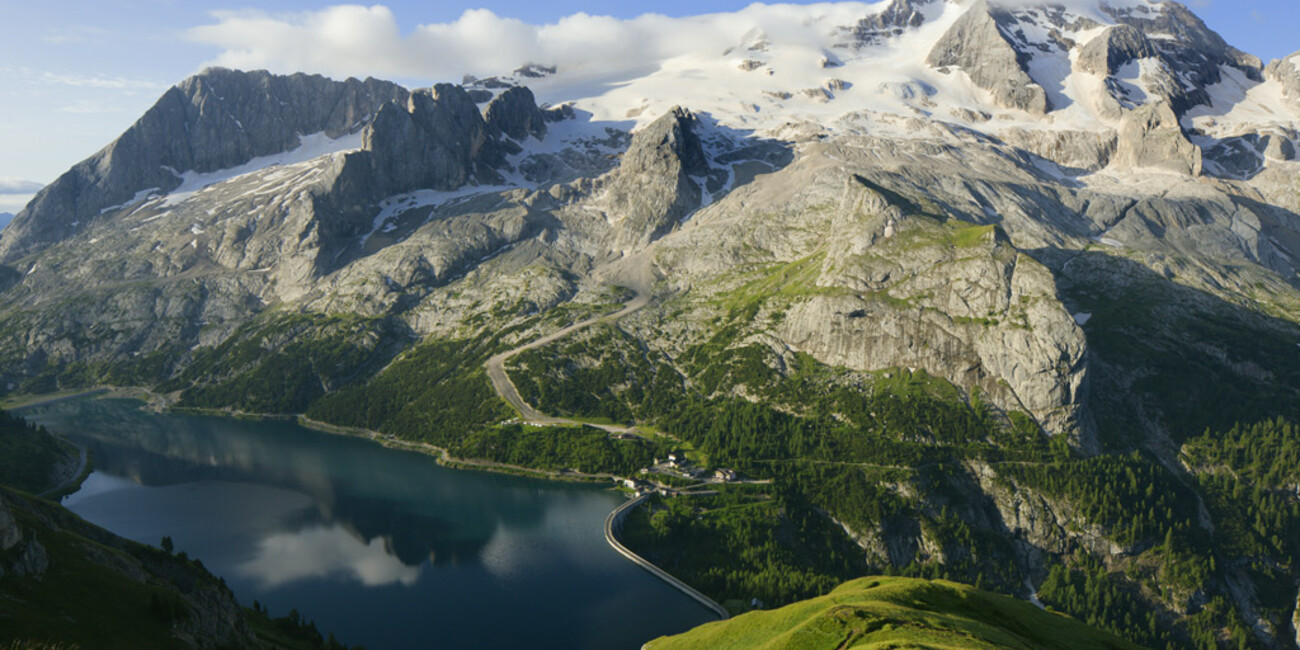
(384, 548)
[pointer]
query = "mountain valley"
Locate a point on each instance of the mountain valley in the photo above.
(998, 293)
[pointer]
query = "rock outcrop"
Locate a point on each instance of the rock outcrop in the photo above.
(1287, 73)
(653, 188)
(1086, 150)
(1295, 622)
(215, 120)
(1192, 53)
(942, 318)
(895, 19)
(438, 140)
(1118, 45)
(977, 45)
(1151, 137)
(515, 113)
(1038, 523)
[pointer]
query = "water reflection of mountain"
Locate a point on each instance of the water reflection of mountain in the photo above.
(421, 512)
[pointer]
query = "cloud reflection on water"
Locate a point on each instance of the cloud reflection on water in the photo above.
(326, 552)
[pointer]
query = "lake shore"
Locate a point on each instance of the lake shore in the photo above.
(160, 403)
(164, 404)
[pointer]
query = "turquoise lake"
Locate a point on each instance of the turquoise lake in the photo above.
(384, 548)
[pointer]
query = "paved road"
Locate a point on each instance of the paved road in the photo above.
(496, 370)
(496, 366)
(615, 521)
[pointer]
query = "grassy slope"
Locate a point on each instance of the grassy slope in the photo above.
(86, 597)
(896, 613)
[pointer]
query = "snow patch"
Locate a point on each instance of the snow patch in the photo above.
(309, 147)
(1131, 79)
(1082, 318)
(395, 206)
(139, 196)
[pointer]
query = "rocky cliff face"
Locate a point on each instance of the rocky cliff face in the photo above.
(876, 29)
(217, 120)
(515, 113)
(1192, 53)
(977, 45)
(1151, 137)
(437, 141)
(1286, 72)
(656, 184)
(1115, 48)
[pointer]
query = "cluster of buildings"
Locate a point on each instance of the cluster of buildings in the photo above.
(675, 465)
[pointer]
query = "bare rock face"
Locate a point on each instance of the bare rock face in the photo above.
(1279, 146)
(1087, 150)
(434, 142)
(652, 190)
(10, 533)
(941, 322)
(1245, 155)
(1118, 45)
(215, 120)
(876, 29)
(1151, 137)
(977, 45)
(1287, 73)
(515, 113)
(1040, 523)
(1193, 54)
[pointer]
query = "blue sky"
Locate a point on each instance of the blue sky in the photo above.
(75, 73)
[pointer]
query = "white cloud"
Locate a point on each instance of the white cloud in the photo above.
(19, 186)
(351, 40)
(103, 82)
(14, 203)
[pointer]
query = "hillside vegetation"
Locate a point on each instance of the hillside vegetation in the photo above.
(897, 613)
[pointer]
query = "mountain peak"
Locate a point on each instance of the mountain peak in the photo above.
(215, 120)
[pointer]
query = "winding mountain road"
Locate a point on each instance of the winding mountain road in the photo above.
(505, 388)
(496, 366)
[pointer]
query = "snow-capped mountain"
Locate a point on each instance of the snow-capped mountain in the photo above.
(301, 185)
(1085, 213)
(1087, 85)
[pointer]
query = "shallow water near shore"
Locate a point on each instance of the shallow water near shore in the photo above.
(382, 547)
